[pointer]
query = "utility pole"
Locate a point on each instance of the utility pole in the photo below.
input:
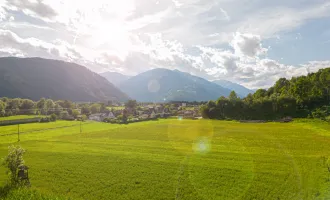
(18, 132)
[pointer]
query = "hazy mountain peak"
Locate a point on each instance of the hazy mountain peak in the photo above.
(115, 77)
(164, 84)
(239, 89)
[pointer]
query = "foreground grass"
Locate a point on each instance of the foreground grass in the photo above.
(172, 159)
(26, 194)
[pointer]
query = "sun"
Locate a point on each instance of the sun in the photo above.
(100, 24)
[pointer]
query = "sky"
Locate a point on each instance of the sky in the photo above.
(250, 42)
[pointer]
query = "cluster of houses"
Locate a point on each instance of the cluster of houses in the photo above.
(148, 112)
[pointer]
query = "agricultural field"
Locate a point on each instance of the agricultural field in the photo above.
(19, 117)
(176, 159)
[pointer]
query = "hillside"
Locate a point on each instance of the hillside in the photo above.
(115, 77)
(35, 78)
(239, 89)
(160, 85)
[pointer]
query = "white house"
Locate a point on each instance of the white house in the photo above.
(153, 114)
(144, 116)
(111, 115)
(95, 117)
(101, 116)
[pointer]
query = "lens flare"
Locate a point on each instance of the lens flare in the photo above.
(202, 145)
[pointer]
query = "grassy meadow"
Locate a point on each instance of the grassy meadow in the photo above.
(19, 117)
(176, 159)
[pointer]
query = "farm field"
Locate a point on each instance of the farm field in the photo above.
(19, 117)
(177, 159)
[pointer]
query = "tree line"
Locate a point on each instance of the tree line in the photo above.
(300, 97)
(61, 108)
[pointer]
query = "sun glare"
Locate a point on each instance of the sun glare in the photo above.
(100, 24)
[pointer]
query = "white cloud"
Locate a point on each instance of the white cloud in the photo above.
(35, 8)
(247, 45)
(33, 47)
(3, 13)
(212, 39)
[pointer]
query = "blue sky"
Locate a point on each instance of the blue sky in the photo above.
(311, 41)
(251, 42)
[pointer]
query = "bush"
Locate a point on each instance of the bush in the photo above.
(2, 113)
(8, 113)
(327, 119)
(12, 161)
(64, 114)
(45, 120)
(319, 114)
(53, 118)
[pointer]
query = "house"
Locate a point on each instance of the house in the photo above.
(152, 115)
(101, 116)
(111, 115)
(95, 117)
(144, 116)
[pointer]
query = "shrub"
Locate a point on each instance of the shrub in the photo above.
(12, 161)
(45, 120)
(53, 118)
(64, 114)
(320, 114)
(8, 113)
(327, 119)
(2, 113)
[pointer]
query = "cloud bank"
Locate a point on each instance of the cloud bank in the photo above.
(212, 39)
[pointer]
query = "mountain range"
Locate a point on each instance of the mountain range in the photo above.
(239, 89)
(160, 85)
(115, 77)
(173, 85)
(34, 78)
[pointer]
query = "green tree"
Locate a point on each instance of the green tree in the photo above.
(27, 107)
(85, 109)
(13, 105)
(13, 161)
(41, 104)
(75, 113)
(260, 93)
(281, 85)
(131, 104)
(95, 108)
(58, 109)
(50, 105)
(53, 117)
(64, 114)
(2, 108)
(233, 96)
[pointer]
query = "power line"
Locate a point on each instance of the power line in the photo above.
(19, 132)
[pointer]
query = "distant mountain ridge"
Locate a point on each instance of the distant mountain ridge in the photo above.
(239, 89)
(115, 77)
(159, 85)
(35, 78)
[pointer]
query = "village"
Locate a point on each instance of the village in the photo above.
(143, 112)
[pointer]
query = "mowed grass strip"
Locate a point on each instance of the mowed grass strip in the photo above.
(172, 159)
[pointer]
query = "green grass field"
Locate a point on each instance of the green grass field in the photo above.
(172, 159)
(19, 117)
